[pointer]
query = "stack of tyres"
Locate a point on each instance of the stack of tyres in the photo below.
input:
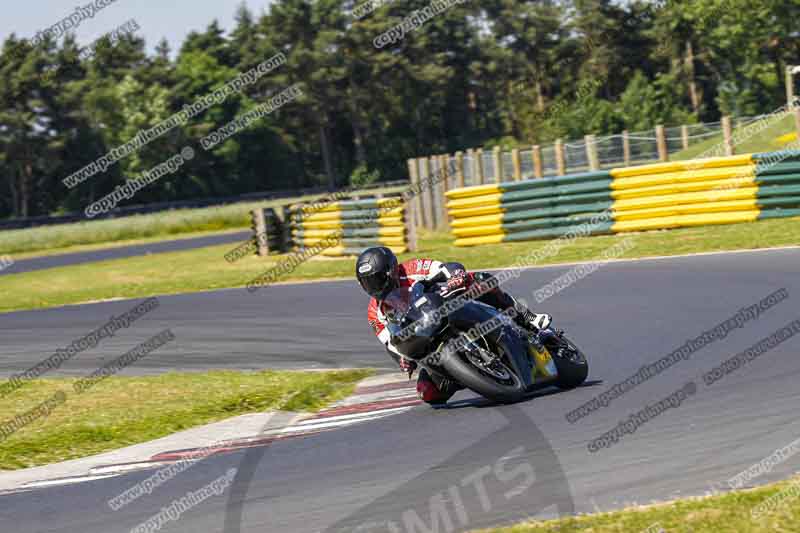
(529, 209)
(720, 190)
(347, 227)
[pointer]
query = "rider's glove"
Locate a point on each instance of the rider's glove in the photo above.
(459, 280)
(407, 365)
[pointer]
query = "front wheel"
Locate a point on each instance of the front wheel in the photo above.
(485, 371)
(571, 363)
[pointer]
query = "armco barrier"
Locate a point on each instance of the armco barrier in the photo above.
(347, 227)
(658, 196)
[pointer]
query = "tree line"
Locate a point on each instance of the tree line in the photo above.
(476, 74)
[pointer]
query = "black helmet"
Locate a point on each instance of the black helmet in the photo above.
(377, 271)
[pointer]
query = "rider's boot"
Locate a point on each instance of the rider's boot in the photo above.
(525, 318)
(435, 389)
(529, 320)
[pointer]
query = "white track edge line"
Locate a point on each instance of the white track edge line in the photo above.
(351, 416)
(337, 423)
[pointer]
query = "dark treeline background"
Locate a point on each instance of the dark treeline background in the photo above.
(481, 73)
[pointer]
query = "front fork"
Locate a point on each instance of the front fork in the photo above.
(543, 369)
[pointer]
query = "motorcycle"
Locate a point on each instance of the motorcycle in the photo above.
(478, 346)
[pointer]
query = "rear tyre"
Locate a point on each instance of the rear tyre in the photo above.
(573, 368)
(497, 382)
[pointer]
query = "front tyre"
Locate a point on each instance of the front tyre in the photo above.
(495, 381)
(571, 363)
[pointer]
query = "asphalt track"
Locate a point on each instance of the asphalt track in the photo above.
(78, 258)
(624, 315)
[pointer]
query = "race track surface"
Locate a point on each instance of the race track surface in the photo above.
(77, 258)
(472, 464)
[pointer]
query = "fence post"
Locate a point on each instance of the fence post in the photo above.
(497, 158)
(438, 170)
(448, 171)
(436, 188)
(626, 149)
(517, 164)
(537, 161)
(789, 86)
(661, 142)
(479, 166)
(685, 136)
(460, 168)
(260, 230)
(444, 167)
(470, 160)
(591, 152)
(473, 166)
(560, 163)
(430, 222)
(727, 135)
(413, 172)
(411, 216)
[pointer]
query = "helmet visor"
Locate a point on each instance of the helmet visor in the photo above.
(375, 284)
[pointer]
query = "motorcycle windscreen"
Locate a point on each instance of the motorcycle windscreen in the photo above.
(410, 332)
(396, 305)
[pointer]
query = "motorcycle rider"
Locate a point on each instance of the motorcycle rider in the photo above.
(378, 273)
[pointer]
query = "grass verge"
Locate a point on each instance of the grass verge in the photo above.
(729, 512)
(206, 269)
(121, 411)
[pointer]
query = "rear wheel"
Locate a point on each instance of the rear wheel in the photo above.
(485, 371)
(573, 368)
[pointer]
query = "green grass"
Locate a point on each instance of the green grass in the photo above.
(155, 226)
(764, 141)
(206, 269)
(122, 411)
(715, 514)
